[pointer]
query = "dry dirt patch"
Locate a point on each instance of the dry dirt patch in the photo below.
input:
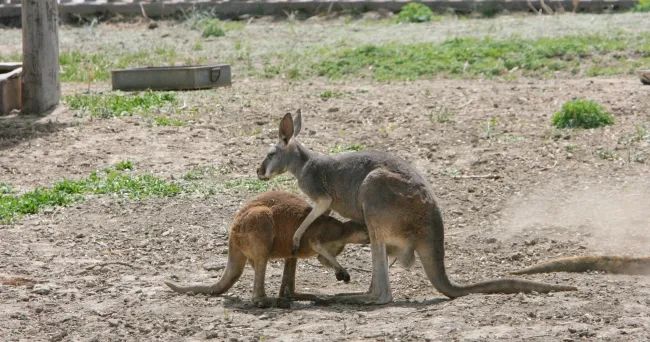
(143, 243)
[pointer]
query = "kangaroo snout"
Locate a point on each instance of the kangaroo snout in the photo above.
(261, 173)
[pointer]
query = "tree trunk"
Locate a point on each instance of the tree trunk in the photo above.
(41, 88)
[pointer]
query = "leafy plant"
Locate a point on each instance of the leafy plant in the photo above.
(581, 113)
(414, 13)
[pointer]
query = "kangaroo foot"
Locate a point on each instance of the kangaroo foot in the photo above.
(264, 302)
(356, 299)
(343, 275)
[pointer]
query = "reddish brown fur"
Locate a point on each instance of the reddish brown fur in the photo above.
(263, 229)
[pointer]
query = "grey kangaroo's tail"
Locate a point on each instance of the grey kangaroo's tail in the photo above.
(234, 269)
(609, 264)
(432, 256)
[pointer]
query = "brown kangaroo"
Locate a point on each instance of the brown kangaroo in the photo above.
(263, 229)
(387, 195)
(609, 264)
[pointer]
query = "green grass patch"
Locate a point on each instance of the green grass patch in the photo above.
(485, 57)
(78, 66)
(124, 165)
(109, 181)
(255, 185)
(642, 6)
(338, 148)
(209, 26)
(110, 105)
(414, 13)
(168, 121)
(581, 113)
(329, 94)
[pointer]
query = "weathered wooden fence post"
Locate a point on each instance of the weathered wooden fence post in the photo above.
(41, 90)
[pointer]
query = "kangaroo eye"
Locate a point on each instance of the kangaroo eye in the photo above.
(271, 154)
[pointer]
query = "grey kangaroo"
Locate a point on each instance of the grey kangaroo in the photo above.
(387, 195)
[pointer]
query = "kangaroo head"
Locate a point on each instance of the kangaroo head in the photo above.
(280, 155)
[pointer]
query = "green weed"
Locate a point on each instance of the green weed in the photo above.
(346, 148)
(329, 94)
(117, 104)
(168, 121)
(642, 6)
(414, 13)
(108, 181)
(441, 114)
(211, 28)
(581, 114)
(124, 165)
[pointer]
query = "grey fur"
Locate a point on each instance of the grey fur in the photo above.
(392, 199)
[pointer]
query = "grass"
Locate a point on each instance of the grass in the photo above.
(329, 94)
(78, 66)
(441, 114)
(255, 185)
(168, 121)
(108, 181)
(485, 57)
(108, 105)
(581, 113)
(210, 26)
(642, 6)
(414, 13)
(346, 148)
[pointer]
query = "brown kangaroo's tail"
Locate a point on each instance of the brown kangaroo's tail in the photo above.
(609, 264)
(432, 256)
(234, 269)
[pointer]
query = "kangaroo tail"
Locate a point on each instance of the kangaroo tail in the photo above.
(609, 264)
(432, 255)
(234, 269)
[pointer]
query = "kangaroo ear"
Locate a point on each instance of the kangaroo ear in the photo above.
(286, 128)
(297, 122)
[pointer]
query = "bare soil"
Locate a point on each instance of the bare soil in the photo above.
(97, 267)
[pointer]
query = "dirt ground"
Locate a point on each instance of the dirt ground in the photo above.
(558, 193)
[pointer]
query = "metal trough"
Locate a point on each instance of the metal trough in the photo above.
(172, 77)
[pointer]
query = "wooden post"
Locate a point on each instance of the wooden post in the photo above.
(41, 88)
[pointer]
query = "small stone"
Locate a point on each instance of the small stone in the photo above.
(59, 336)
(333, 110)
(42, 289)
(490, 240)
(113, 322)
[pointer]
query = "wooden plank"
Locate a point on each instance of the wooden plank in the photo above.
(41, 90)
(10, 87)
